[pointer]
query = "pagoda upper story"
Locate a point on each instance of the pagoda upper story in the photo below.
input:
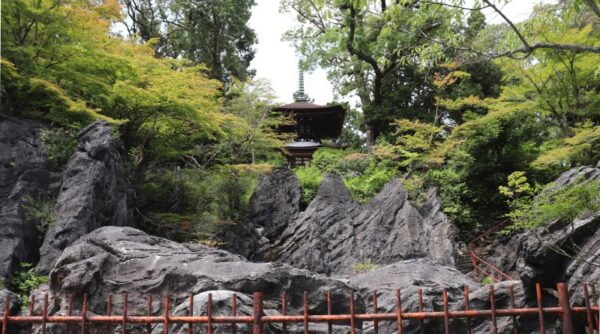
(312, 123)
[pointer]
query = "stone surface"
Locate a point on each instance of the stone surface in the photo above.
(24, 175)
(274, 203)
(93, 193)
(409, 276)
(13, 307)
(335, 233)
(557, 252)
(121, 259)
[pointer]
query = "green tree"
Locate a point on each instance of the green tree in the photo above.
(212, 32)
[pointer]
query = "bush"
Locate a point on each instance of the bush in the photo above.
(60, 145)
(365, 266)
(364, 187)
(26, 280)
(188, 204)
(41, 211)
(554, 203)
(310, 178)
(363, 175)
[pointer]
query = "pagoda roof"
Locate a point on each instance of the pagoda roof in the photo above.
(310, 108)
(325, 121)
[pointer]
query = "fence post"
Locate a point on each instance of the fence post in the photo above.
(563, 301)
(257, 327)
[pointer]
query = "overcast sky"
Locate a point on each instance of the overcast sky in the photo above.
(276, 60)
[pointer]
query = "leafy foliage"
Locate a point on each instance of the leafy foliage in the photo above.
(26, 280)
(60, 145)
(556, 203)
(41, 211)
(214, 33)
(363, 175)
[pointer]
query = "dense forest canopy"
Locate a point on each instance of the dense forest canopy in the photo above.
(446, 98)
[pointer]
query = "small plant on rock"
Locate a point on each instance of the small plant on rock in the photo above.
(364, 266)
(26, 280)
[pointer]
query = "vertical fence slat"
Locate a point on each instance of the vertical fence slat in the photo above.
(234, 312)
(595, 304)
(257, 310)
(83, 313)
(375, 322)
(398, 311)
(305, 311)
(420, 296)
(124, 320)
(329, 310)
(284, 310)
(149, 306)
(467, 308)
(209, 313)
(493, 309)
(588, 311)
(31, 308)
(446, 312)
(565, 305)
(108, 312)
(5, 314)
(538, 293)
(352, 314)
(190, 312)
(511, 295)
(166, 314)
(45, 314)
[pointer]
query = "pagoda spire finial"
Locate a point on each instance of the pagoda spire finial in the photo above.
(300, 96)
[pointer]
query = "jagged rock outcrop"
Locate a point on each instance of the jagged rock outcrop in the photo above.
(335, 232)
(93, 193)
(24, 175)
(121, 259)
(557, 252)
(274, 203)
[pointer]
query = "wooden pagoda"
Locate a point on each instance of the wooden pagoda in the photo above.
(312, 123)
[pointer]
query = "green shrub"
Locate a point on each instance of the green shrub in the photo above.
(60, 145)
(555, 203)
(26, 280)
(487, 281)
(365, 266)
(310, 178)
(41, 211)
(366, 186)
(187, 205)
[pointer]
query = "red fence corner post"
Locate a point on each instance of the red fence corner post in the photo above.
(257, 312)
(563, 302)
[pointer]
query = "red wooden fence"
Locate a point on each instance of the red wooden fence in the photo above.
(257, 320)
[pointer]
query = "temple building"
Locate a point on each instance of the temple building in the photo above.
(312, 123)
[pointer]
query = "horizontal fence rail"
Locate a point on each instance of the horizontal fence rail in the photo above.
(257, 320)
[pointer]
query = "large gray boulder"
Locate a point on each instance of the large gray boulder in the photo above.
(114, 260)
(409, 276)
(93, 193)
(24, 175)
(335, 233)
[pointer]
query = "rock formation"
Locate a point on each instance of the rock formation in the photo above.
(409, 276)
(24, 175)
(557, 252)
(335, 232)
(274, 203)
(93, 193)
(121, 259)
